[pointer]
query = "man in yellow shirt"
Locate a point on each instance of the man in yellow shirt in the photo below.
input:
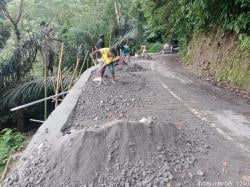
(108, 57)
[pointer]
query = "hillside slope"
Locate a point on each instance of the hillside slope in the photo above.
(221, 56)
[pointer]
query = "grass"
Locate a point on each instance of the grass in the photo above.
(235, 69)
(10, 142)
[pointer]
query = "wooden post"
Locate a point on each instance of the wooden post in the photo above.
(110, 38)
(45, 89)
(20, 122)
(87, 64)
(74, 73)
(45, 61)
(93, 60)
(58, 75)
(83, 64)
(61, 82)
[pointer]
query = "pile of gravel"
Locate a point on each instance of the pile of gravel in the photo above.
(33, 170)
(102, 146)
(103, 103)
(119, 153)
(135, 68)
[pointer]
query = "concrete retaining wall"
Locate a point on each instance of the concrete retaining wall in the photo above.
(50, 130)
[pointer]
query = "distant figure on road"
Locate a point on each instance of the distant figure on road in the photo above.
(125, 51)
(107, 59)
(99, 45)
(144, 51)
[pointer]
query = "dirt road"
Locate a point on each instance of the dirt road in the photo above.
(157, 126)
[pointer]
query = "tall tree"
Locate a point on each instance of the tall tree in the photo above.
(14, 21)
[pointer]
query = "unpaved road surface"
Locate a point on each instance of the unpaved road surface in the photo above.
(157, 126)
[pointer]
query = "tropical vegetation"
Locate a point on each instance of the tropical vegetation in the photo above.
(35, 35)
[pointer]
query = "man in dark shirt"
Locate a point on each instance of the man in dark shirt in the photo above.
(99, 45)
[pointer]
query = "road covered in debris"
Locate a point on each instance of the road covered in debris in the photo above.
(157, 126)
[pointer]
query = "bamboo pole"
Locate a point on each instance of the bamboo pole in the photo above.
(58, 74)
(45, 90)
(45, 83)
(37, 121)
(93, 60)
(87, 64)
(6, 168)
(110, 38)
(83, 64)
(74, 73)
(37, 101)
(61, 82)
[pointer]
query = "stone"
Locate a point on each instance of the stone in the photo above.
(31, 179)
(200, 173)
(146, 121)
(159, 148)
(190, 175)
(15, 177)
(170, 177)
(186, 166)
(206, 146)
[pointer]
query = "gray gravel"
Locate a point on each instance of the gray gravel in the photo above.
(131, 133)
(102, 103)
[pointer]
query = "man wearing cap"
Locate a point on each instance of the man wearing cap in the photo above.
(107, 59)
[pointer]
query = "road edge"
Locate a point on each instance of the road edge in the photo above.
(50, 130)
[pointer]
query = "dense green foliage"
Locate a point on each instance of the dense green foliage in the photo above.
(184, 18)
(154, 47)
(32, 41)
(45, 24)
(10, 141)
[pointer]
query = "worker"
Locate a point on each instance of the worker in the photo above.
(144, 50)
(125, 51)
(107, 59)
(99, 45)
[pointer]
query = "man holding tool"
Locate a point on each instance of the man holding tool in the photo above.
(107, 59)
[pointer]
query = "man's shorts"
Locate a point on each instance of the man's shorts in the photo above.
(102, 66)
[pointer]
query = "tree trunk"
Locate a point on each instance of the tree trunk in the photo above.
(140, 28)
(117, 13)
(20, 122)
(17, 35)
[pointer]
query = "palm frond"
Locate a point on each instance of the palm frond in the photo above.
(31, 91)
(18, 64)
(130, 32)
